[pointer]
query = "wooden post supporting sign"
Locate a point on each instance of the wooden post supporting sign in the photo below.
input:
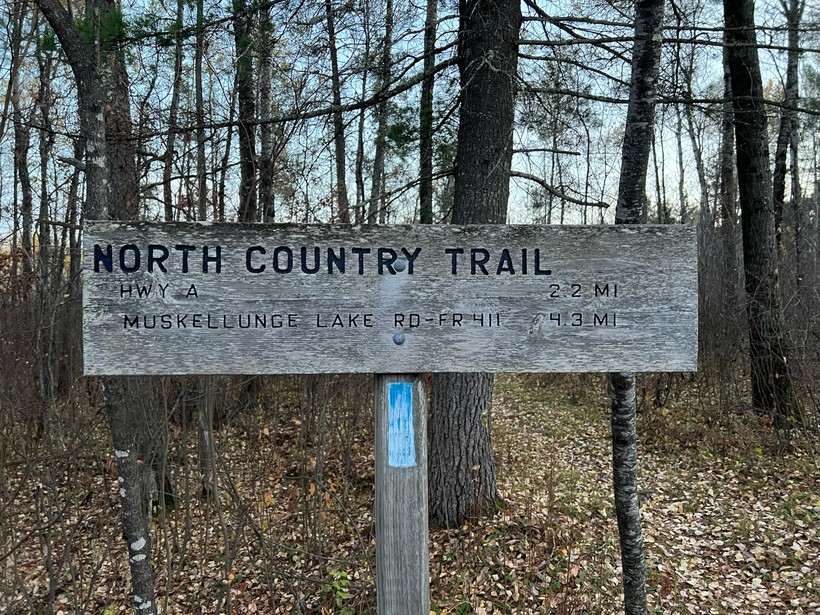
(402, 560)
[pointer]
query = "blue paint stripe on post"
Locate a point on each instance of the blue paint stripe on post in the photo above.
(401, 442)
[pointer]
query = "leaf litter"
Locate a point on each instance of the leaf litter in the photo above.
(728, 528)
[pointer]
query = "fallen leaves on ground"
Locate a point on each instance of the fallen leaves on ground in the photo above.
(727, 529)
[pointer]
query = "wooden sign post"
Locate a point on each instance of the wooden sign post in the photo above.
(197, 298)
(402, 553)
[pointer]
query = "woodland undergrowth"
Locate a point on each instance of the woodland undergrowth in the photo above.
(731, 513)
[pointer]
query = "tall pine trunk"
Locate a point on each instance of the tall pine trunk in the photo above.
(462, 481)
(772, 393)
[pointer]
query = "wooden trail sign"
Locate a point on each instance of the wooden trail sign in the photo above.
(194, 298)
(271, 299)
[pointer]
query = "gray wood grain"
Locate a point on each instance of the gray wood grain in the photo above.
(654, 313)
(402, 551)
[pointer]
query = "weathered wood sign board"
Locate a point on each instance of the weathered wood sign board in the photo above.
(191, 298)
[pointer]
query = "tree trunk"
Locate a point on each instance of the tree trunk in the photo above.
(132, 410)
(121, 149)
(338, 119)
(696, 139)
(73, 331)
(200, 120)
(45, 102)
(464, 469)
(361, 206)
(223, 167)
(461, 466)
(625, 482)
(426, 116)
(681, 166)
(728, 230)
(205, 412)
(771, 382)
(247, 111)
(22, 120)
(22, 142)
(797, 207)
(267, 130)
(15, 44)
(374, 208)
(124, 204)
(638, 137)
(49, 269)
(168, 159)
(120, 393)
(793, 10)
(700, 167)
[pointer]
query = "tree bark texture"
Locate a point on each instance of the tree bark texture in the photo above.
(462, 479)
(121, 148)
(797, 206)
(338, 118)
(267, 158)
(487, 61)
(120, 394)
(426, 117)
(788, 116)
(638, 137)
(173, 113)
(730, 242)
(15, 45)
(207, 446)
(46, 101)
(358, 171)
(375, 204)
(728, 185)
(90, 94)
(246, 100)
(640, 116)
(124, 204)
(22, 142)
(771, 382)
(625, 481)
(696, 140)
(201, 186)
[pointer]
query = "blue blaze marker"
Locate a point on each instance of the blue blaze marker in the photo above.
(401, 443)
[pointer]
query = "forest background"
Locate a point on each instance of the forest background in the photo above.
(255, 492)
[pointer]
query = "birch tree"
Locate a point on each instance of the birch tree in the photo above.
(638, 134)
